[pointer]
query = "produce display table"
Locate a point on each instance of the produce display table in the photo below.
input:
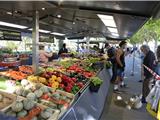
(89, 104)
(10, 64)
(80, 103)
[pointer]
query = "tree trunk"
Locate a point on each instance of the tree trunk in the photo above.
(155, 44)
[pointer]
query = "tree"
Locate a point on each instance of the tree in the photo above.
(149, 32)
(11, 45)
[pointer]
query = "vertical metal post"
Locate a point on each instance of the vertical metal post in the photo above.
(35, 41)
(78, 45)
(132, 73)
(60, 43)
(87, 42)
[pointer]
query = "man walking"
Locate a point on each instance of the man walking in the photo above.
(149, 61)
(120, 60)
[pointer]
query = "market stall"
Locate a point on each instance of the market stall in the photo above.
(72, 89)
(65, 89)
(90, 104)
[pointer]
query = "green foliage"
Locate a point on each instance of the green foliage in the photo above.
(150, 31)
(96, 81)
(11, 45)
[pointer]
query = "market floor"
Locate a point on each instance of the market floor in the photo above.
(112, 111)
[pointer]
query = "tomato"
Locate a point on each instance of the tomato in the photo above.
(68, 88)
(80, 84)
(45, 96)
(74, 79)
(49, 85)
(61, 85)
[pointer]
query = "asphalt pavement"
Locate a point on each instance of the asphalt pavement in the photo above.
(112, 111)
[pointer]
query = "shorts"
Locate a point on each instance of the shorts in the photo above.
(120, 73)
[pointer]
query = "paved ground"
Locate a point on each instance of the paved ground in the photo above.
(114, 112)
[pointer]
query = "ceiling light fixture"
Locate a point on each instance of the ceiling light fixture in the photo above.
(42, 31)
(12, 25)
(59, 34)
(74, 23)
(115, 34)
(9, 13)
(108, 20)
(112, 30)
(59, 16)
(43, 8)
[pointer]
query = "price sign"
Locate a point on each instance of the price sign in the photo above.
(48, 39)
(10, 35)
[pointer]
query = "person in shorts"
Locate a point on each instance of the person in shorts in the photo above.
(120, 61)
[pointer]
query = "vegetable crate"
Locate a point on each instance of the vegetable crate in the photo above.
(81, 90)
(6, 100)
(62, 104)
(30, 110)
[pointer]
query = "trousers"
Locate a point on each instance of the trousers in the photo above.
(114, 73)
(145, 88)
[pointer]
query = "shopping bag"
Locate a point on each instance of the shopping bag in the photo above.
(149, 109)
(158, 114)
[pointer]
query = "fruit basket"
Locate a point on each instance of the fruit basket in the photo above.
(26, 69)
(16, 75)
(25, 109)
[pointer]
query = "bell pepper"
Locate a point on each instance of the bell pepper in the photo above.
(75, 89)
(74, 79)
(68, 89)
(61, 85)
(80, 84)
(72, 83)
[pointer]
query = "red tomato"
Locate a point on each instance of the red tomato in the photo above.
(45, 96)
(61, 85)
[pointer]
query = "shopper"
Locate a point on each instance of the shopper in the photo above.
(158, 60)
(63, 50)
(149, 61)
(111, 57)
(43, 55)
(120, 60)
(48, 49)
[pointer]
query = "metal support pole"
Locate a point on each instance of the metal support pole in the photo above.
(78, 45)
(87, 42)
(60, 43)
(132, 73)
(35, 41)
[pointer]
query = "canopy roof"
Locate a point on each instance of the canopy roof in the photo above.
(82, 18)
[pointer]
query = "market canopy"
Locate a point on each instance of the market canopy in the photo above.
(77, 19)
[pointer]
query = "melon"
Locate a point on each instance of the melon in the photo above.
(19, 91)
(31, 96)
(38, 93)
(22, 113)
(28, 104)
(44, 89)
(24, 82)
(17, 106)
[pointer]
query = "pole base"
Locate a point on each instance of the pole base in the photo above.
(132, 73)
